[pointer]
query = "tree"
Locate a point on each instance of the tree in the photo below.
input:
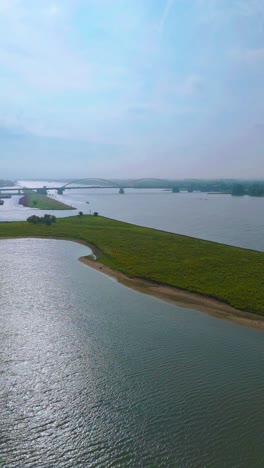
(80, 213)
(48, 219)
(33, 219)
(238, 190)
(95, 213)
(256, 190)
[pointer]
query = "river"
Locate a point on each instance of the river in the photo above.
(96, 375)
(222, 218)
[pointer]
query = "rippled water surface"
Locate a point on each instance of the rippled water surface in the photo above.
(94, 374)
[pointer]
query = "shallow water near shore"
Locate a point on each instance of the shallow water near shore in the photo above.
(95, 374)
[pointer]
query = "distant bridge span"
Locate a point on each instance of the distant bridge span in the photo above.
(165, 181)
(80, 181)
(86, 184)
(129, 184)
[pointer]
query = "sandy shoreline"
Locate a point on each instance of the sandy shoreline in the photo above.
(181, 298)
(167, 293)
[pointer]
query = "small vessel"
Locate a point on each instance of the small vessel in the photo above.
(87, 202)
(2, 202)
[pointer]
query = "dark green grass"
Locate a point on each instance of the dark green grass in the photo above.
(42, 202)
(230, 274)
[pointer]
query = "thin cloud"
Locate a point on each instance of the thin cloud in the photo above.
(251, 7)
(53, 10)
(249, 56)
(104, 71)
(168, 6)
(252, 10)
(44, 62)
(5, 5)
(192, 84)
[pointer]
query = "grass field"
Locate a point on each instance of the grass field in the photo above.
(230, 274)
(42, 202)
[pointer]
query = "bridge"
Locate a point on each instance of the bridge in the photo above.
(102, 184)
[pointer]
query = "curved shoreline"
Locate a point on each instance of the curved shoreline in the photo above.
(180, 297)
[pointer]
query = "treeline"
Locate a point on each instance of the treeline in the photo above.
(251, 187)
(231, 186)
(188, 185)
(253, 190)
(6, 183)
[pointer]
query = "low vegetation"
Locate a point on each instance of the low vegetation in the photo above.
(230, 274)
(46, 219)
(42, 202)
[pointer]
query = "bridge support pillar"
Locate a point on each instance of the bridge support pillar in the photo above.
(121, 190)
(42, 191)
(60, 191)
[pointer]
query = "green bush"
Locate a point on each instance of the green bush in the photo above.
(46, 219)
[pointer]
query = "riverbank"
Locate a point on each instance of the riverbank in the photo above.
(181, 298)
(196, 272)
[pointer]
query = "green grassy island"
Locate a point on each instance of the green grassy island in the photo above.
(228, 274)
(42, 202)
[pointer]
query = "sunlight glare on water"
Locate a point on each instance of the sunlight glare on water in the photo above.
(95, 374)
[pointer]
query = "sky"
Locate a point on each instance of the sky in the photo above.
(132, 88)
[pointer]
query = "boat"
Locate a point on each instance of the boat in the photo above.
(2, 202)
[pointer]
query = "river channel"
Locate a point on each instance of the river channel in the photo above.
(230, 220)
(97, 375)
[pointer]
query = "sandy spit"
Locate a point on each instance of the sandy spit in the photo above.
(170, 294)
(181, 298)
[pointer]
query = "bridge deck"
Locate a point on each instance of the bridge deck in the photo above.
(21, 189)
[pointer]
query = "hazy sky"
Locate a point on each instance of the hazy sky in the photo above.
(127, 88)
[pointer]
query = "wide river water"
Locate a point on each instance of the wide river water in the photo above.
(94, 374)
(221, 218)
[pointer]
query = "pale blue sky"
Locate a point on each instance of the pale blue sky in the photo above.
(124, 88)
